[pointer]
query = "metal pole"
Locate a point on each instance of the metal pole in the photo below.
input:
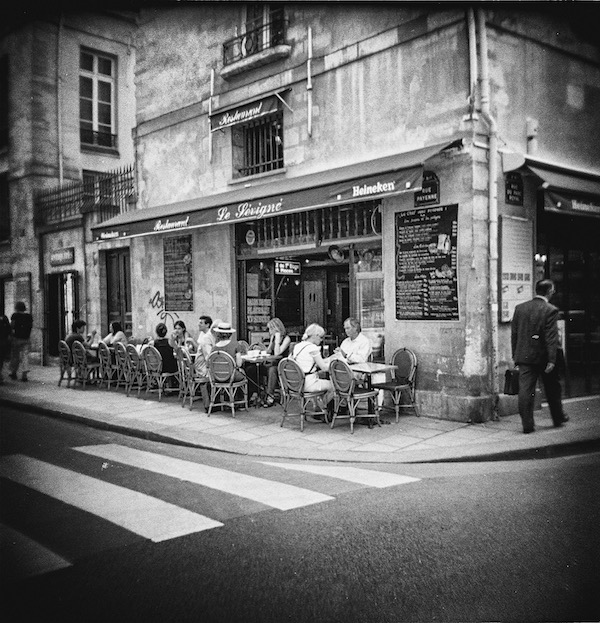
(309, 80)
(210, 134)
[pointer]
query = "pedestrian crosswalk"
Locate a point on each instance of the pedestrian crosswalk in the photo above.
(155, 519)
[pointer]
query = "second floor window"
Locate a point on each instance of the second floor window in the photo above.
(97, 82)
(258, 145)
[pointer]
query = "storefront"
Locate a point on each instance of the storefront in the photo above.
(566, 250)
(305, 249)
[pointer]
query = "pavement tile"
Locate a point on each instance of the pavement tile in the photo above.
(375, 447)
(241, 435)
(402, 441)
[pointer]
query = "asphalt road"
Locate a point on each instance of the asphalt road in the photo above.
(101, 527)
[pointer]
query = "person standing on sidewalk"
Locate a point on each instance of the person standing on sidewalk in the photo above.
(535, 341)
(5, 334)
(21, 323)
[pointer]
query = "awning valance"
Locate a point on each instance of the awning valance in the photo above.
(383, 177)
(245, 112)
(566, 190)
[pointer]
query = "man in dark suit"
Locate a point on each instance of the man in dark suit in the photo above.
(534, 339)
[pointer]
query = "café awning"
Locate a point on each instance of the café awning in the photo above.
(566, 189)
(364, 181)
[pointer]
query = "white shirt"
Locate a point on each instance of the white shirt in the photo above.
(357, 350)
(205, 345)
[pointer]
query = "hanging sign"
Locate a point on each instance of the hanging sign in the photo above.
(513, 189)
(245, 113)
(284, 267)
(430, 190)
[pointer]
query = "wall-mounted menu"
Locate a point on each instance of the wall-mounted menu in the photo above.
(516, 284)
(426, 264)
(179, 278)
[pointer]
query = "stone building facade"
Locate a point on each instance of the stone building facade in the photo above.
(406, 164)
(68, 110)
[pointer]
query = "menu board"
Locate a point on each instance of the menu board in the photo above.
(426, 264)
(179, 278)
(516, 285)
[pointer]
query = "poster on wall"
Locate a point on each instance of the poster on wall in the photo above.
(516, 257)
(426, 264)
(179, 278)
(259, 301)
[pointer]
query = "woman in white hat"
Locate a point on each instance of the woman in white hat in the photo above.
(225, 342)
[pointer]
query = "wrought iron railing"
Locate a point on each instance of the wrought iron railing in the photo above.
(257, 38)
(97, 139)
(106, 195)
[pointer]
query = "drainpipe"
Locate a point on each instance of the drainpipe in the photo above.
(59, 141)
(492, 208)
(309, 82)
(473, 68)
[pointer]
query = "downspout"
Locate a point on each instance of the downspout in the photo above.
(59, 141)
(309, 83)
(473, 68)
(492, 209)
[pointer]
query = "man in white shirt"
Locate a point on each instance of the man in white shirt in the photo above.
(356, 348)
(205, 344)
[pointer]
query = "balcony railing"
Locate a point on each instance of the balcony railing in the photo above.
(106, 196)
(89, 138)
(256, 39)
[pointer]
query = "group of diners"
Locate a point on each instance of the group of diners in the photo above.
(219, 335)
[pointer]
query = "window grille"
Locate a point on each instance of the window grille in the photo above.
(97, 83)
(258, 146)
(324, 225)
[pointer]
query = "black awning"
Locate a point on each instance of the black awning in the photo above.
(383, 177)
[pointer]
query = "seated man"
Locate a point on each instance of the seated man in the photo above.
(356, 348)
(76, 335)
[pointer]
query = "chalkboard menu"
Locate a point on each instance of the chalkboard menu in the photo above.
(426, 264)
(179, 278)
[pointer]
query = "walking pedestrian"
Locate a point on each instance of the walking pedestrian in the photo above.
(21, 323)
(535, 341)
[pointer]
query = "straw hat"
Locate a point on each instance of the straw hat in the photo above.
(224, 327)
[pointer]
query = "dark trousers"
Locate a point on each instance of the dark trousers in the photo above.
(528, 376)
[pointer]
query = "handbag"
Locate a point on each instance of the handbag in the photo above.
(511, 382)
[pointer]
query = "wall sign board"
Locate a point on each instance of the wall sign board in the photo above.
(62, 257)
(513, 189)
(516, 253)
(430, 190)
(179, 277)
(426, 264)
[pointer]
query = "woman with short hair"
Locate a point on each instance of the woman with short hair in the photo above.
(116, 334)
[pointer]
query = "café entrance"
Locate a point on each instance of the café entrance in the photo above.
(317, 266)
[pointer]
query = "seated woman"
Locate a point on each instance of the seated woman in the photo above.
(224, 342)
(307, 354)
(116, 334)
(162, 345)
(279, 347)
(179, 334)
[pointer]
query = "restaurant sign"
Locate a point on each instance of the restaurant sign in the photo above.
(557, 202)
(284, 267)
(62, 257)
(245, 113)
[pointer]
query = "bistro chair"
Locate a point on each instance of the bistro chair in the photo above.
(347, 393)
(291, 380)
(154, 374)
(108, 369)
(403, 380)
(221, 374)
(190, 380)
(137, 373)
(122, 361)
(66, 362)
(244, 346)
(84, 370)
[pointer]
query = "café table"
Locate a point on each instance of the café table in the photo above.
(257, 358)
(370, 368)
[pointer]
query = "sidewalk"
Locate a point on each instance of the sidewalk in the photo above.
(257, 432)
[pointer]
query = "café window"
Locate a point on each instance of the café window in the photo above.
(97, 84)
(258, 145)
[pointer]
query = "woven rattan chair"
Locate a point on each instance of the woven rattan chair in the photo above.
(403, 381)
(85, 371)
(154, 374)
(108, 369)
(291, 380)
(137, 371)
(221, 374)
(190, 380)
(66, 362)
(122, 361)
(348, 394)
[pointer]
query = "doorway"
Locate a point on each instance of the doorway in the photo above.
(62, 307)
(118, 284)
(569, 246)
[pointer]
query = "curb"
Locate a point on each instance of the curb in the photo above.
(443, 455)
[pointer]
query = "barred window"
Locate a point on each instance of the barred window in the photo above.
(97, 83)
(258, 145)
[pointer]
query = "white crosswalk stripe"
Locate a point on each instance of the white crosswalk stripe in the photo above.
(26, 557)
(137, 512)
(271, 493)
(367, 477)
